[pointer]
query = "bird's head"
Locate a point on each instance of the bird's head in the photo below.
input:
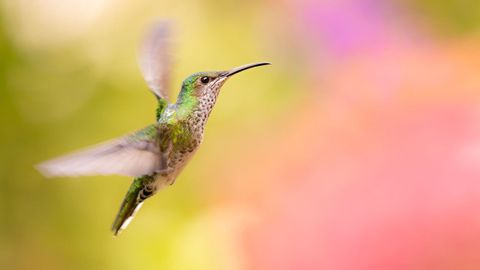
(202, 88)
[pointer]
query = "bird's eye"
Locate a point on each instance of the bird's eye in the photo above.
(204, 79)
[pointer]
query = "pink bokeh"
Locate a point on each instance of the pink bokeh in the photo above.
(381, 169)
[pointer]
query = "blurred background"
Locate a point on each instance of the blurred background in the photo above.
(358, 149)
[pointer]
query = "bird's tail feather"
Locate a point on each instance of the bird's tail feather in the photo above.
(130, 205)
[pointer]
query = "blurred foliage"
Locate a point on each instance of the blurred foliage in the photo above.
(449, 16)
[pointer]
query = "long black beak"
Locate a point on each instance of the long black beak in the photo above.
(244, 67)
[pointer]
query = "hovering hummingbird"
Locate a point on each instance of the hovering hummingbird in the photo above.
(156, 154)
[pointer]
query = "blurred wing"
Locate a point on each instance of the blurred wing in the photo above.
(155, 59)
(134, 155)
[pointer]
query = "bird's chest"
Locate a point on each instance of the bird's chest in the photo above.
(186, 140)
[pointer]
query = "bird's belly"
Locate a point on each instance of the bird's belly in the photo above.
(176, 163)
(183, 151)
(161, 181)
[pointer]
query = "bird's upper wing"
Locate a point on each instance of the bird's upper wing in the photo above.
(133, 155)
(155, 58)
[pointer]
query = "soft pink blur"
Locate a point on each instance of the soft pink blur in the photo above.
(381, 169)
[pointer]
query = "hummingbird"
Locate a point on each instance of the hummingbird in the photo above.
(156, 154)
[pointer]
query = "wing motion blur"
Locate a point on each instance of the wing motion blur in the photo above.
(133, 155)
(155, 58)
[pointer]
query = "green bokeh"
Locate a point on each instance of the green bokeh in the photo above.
(58, 95)
(449, 16)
